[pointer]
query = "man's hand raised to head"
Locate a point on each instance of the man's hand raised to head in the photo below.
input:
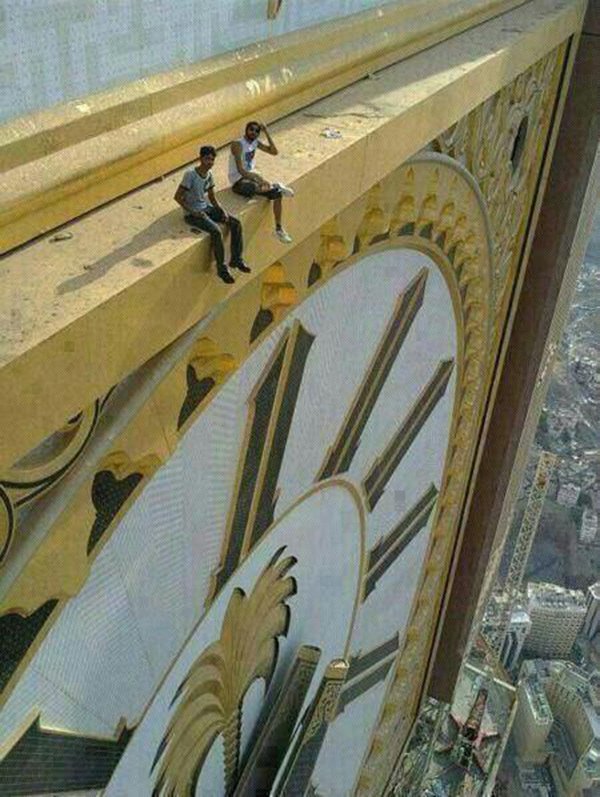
(270, 148)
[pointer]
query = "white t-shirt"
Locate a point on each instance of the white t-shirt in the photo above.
(197, 186)
(248, 153)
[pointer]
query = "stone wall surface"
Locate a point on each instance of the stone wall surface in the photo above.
(56, 50)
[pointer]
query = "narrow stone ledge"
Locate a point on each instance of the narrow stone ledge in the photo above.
(81, 314)
(68, 160)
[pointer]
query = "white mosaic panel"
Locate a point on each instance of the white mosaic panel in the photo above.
(55, 50)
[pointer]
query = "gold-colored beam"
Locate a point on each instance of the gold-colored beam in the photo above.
(70, 334)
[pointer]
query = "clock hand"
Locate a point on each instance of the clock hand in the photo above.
(293, 780)
(385, 465)
(335, 694)
(268, 751)
(271, 411)
(340, 455)
(388, 549)
(368, 669)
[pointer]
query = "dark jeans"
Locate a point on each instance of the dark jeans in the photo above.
(249, 188)
(208, 220)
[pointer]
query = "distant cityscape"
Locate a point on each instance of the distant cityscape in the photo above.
(525, 721)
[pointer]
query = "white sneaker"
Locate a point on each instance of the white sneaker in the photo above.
(283, 236)
(285, 189)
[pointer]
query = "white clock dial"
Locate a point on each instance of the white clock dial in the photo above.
(329, 442)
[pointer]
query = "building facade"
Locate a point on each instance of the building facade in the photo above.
(557, 616)
(518, 631)
(236, 523)
(533, 718)
(557, 726)
(589, 526)
(592, 617)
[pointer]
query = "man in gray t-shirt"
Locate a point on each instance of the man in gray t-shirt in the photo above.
(196, 195)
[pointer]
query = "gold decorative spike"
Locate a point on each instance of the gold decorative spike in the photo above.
(277, 293)
(208, 367)
(333, 248)
(276, 297)
(121, 465)
(209, 362)
(374, 226)
(429, 211)
(209, 700)
(113, 486)
(404, 214)
(447, 218)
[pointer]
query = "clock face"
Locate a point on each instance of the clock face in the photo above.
(296, 510)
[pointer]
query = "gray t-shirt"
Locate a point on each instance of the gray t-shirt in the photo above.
(197, 187)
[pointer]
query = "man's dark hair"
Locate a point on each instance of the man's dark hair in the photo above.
(251, 124)
(208, 149)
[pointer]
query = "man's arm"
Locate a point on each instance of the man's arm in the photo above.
(212, 198)
(269, 148)
(236, 150)
(182, 197)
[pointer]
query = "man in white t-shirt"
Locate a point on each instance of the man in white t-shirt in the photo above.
(246, 181)
(206, 214)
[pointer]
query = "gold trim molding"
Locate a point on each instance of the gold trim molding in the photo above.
(501, 144)
(62, 162)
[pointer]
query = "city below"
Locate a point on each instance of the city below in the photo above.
(525, 720)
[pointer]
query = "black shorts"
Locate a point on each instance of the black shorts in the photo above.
(249, 188)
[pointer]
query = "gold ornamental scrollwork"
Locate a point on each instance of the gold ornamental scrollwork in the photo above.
(40, 469)
(501, 143)
(207, 368)
(209, 700)
(438, 210)
(277, 296)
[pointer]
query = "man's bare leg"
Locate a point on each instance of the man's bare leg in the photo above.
(264, 189)
(277, 208)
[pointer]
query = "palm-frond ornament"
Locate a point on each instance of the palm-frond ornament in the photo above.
(209, 700)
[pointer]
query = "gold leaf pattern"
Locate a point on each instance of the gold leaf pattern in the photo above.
(209, 700)
(501, 142)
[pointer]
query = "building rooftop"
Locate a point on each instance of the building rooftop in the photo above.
(595, 590)
(537, 698)
(546, 595)
(520, 615)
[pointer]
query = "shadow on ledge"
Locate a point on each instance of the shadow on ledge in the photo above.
(170, 226)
